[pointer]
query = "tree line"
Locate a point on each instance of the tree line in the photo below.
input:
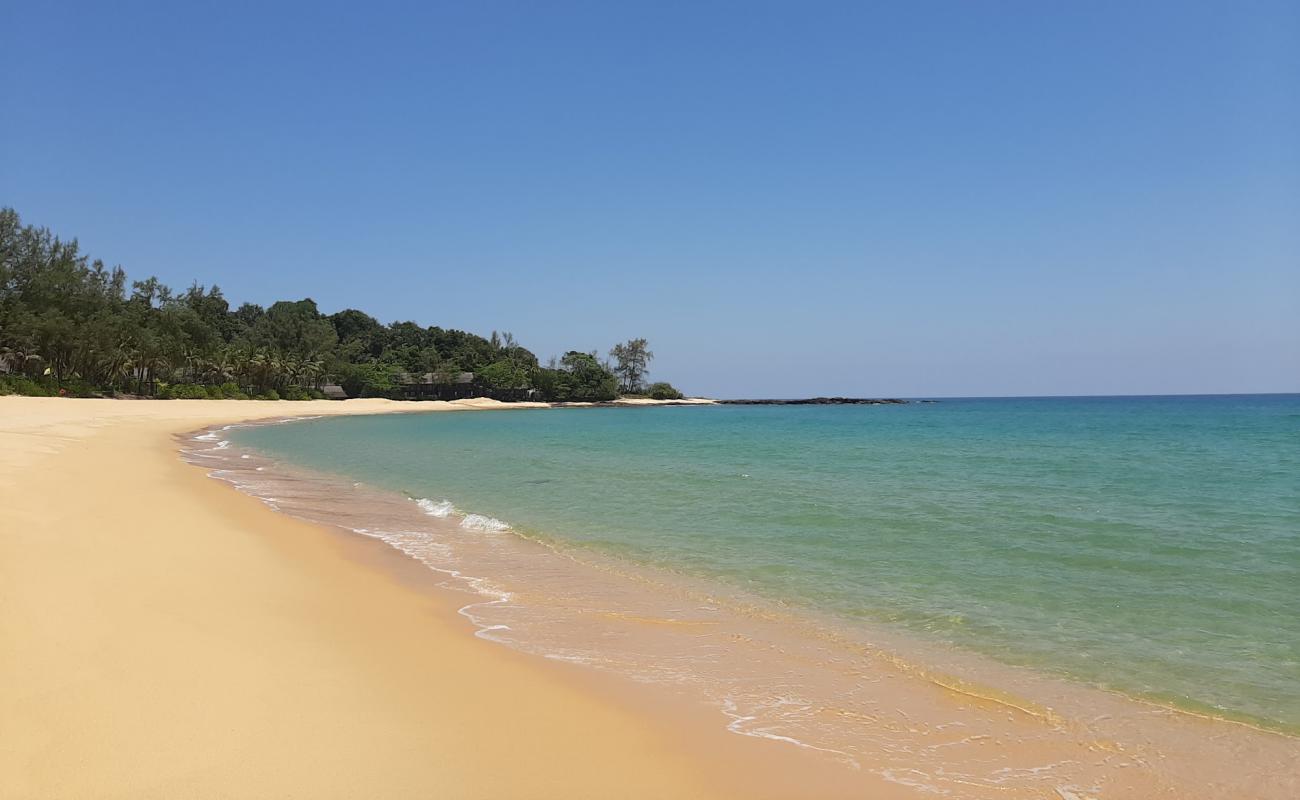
(70, 325)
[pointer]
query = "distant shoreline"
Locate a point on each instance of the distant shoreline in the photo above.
(825, 401)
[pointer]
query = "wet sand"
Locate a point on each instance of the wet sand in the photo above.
(162, 635)
(870, 701)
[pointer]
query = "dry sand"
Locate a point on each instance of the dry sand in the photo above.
(162, 635)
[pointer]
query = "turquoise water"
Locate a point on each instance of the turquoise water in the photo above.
(1150, 545)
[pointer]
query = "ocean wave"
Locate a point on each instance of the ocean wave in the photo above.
(479, 522)
(442, 508)
(470, 522)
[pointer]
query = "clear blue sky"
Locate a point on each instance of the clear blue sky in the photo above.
(786, 198)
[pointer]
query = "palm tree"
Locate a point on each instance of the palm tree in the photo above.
(290, 370)
(193, 361)
(149, 361)
(221, 368)
(264, 367)
(313, 369)
(116, 364)
(241, 359)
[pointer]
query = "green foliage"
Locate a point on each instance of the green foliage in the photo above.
(579, 378)
(368, 380)
(632, 363)
(18, 384)
(503, 375)
(664, 391)
(73, 326)
(360, 336)
(231, 391)
(269, 394)
(187, 391)
(547, 382)
(294, 327)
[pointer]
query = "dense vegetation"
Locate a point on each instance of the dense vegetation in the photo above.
(69, 325)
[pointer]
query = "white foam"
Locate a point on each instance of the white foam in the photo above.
(439, 509)
(433, 555)
(739, 725)
(471, 522)
(478, 522)
(900, 776)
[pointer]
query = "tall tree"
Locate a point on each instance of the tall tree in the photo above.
(632, 363)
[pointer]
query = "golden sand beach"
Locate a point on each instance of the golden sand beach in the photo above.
(162, 635)
(165, 635)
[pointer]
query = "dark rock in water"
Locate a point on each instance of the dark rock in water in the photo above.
(821, 401)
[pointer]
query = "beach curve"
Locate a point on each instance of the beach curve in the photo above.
(166, 636)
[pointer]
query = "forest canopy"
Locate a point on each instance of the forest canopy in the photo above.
(69, 324)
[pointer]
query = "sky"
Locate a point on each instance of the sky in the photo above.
(787, 199)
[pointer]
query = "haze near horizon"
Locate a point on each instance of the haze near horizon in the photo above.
(786, 200)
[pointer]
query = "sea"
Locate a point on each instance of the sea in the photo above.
(1108, 586)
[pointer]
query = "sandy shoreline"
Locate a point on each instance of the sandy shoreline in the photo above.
(164, 636)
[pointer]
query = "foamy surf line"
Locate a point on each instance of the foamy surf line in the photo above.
(443, 509)
(779, 676)
(410, 543)
(417, 545)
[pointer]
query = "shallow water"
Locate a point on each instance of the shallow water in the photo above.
(796, 565)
